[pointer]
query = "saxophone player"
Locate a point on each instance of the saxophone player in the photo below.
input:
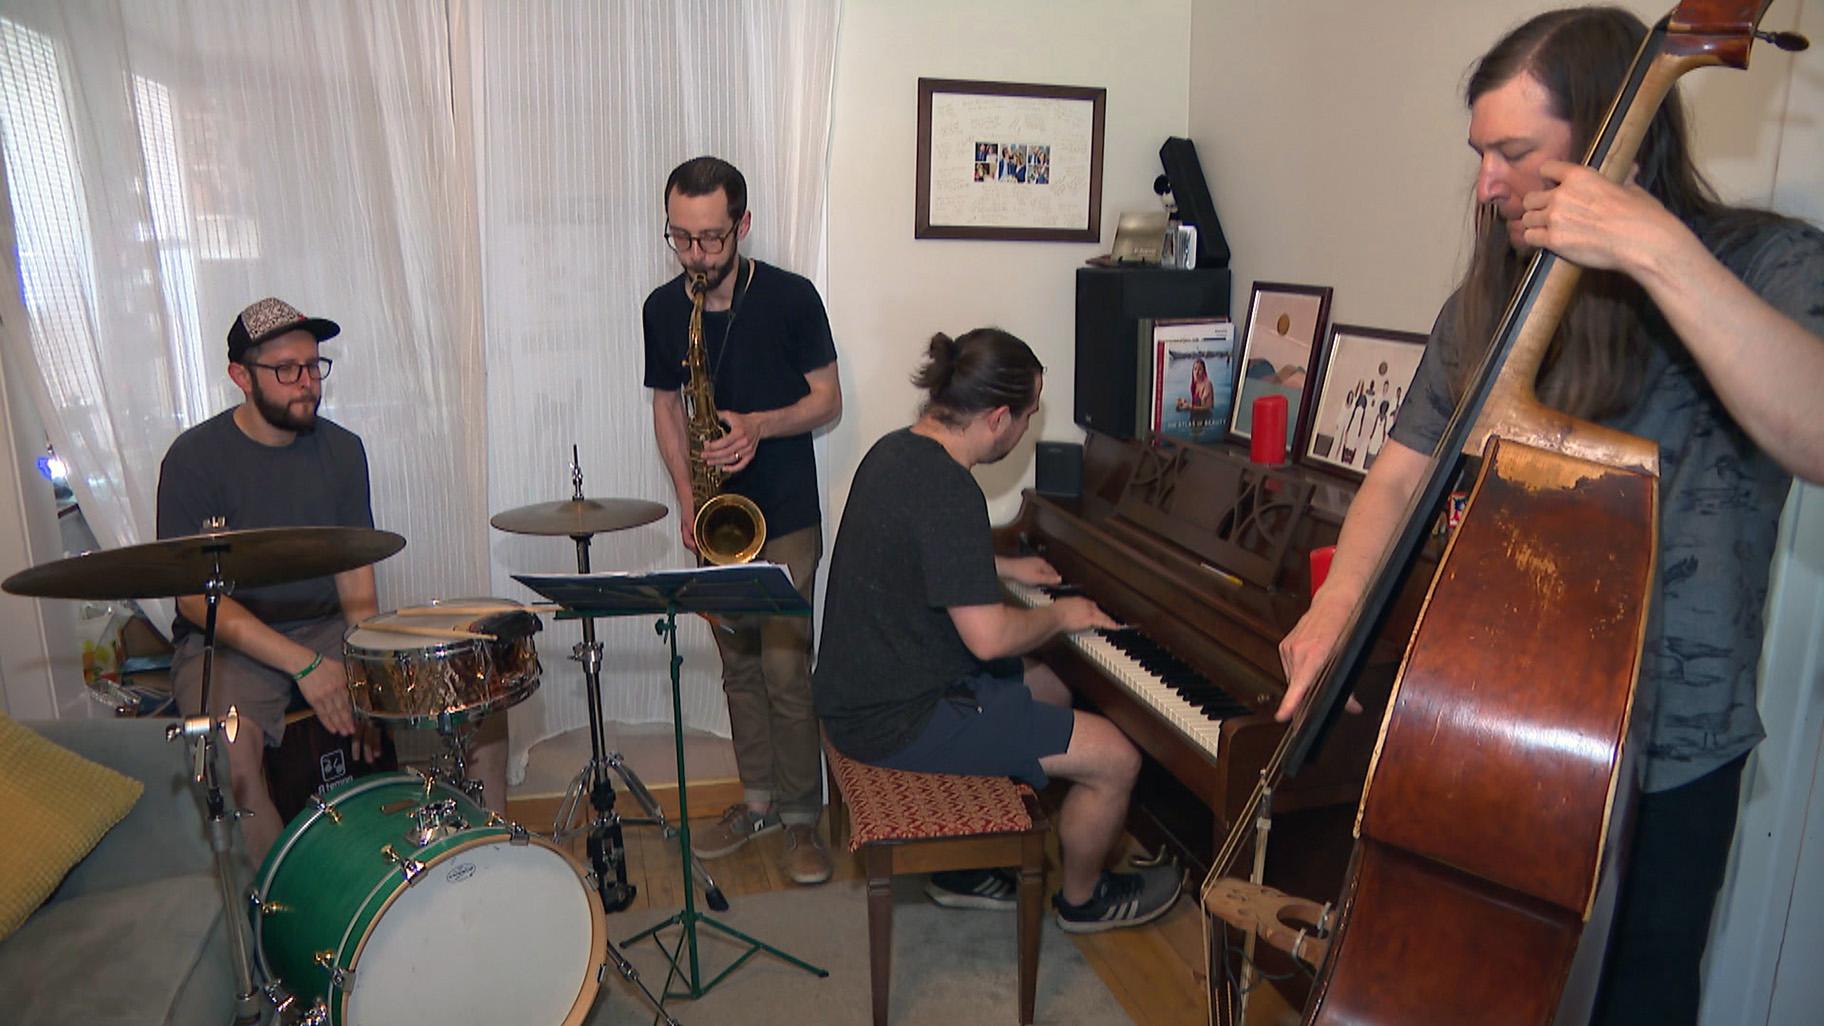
(771, 363)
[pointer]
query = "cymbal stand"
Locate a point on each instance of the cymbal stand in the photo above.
(200, 731)
(605, 845)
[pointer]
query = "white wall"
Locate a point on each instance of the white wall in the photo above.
(1332, 135)
(888, 292)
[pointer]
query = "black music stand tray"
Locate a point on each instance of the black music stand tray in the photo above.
(762, 588)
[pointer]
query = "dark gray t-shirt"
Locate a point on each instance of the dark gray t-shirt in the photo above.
(1720, 500)
(914, 541)
(319, 480)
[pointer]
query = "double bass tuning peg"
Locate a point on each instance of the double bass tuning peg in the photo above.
(1791, 42)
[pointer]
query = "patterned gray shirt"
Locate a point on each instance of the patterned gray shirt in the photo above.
(1720, 501)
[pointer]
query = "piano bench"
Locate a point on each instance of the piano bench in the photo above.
(901, 822)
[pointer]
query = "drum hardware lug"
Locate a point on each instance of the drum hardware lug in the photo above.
(517, 836)
(317, 1016)
(269, 908)
(408, 867)
(338, 976)
(277, 996)
(434, 822)
(317, 802)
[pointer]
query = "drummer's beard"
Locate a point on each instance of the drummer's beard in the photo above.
(299, 415)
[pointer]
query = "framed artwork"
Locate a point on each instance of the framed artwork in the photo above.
(1366, 374)
(1193, 378)
(1279, 355)
(1005, 160)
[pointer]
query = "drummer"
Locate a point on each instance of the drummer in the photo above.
(272, 461)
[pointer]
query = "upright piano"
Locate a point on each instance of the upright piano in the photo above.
(1204, 558)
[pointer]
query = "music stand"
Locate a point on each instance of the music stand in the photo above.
(752, 588)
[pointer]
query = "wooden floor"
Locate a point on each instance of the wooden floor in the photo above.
(1152, 970)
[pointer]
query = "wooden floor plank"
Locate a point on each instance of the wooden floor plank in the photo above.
(1153, 971)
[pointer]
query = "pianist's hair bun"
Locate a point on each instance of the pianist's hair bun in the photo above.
(975, 372)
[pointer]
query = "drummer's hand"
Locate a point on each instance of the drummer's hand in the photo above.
(365, 745)
(326, 689)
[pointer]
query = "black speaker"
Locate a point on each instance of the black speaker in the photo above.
(1179, 157)
(1115, 310)
(1058, 469)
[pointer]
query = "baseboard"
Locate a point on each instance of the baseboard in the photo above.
(707, 798)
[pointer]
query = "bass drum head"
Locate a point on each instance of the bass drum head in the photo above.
(491, 932)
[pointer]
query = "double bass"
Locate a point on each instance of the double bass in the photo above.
(1499, 798)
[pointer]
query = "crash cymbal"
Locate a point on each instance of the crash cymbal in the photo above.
(183, 566)
(578, 516)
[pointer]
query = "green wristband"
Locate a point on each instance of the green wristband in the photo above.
(306, 671)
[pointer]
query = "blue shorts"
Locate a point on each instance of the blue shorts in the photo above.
(988, 726)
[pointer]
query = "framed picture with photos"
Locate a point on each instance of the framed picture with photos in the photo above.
(1279, 354)
(1009, 160)
(1366, 375)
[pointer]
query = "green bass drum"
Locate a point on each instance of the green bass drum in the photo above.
(399, 900)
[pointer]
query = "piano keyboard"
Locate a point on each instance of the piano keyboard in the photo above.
(1181, 696)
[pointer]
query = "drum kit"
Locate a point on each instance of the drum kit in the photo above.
(398, 897)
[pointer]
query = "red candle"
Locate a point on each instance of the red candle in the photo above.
(1268, 443)
(1320, 565)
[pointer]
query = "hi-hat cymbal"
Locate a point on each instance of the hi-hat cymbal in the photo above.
(578, 516)
(183, 566)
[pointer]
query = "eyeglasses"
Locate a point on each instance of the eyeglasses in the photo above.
(290, 373)
(710, 243)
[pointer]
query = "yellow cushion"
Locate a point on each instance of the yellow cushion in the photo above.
(55, 806)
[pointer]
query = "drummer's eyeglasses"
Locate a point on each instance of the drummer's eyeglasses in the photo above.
(710, 243)
(290, 373)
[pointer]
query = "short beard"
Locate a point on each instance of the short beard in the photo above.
(279, 414)
(720, 274)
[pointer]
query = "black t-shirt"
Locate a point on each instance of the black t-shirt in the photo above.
(758, 352)
(319, 480)
(914, 541)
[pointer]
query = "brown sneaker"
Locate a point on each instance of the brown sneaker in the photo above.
(738, 825)
(806, 860)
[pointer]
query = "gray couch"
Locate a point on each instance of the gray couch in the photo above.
(134, 933)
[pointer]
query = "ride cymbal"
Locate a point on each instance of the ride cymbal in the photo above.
(184, 566)
(578, 516)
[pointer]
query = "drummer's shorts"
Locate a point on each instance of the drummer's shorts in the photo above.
(988, 726)
(258, 692)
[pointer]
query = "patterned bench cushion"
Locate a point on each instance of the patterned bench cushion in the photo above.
(894, 805)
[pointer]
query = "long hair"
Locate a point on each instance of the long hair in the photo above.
(1580, 56)
(975, 372)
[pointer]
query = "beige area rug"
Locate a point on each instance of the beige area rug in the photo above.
(950, 967)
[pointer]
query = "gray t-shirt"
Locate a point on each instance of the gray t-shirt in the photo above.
(1720, 501)
(914, 541)
(319, 480)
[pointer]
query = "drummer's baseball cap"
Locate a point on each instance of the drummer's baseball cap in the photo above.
(269, 318)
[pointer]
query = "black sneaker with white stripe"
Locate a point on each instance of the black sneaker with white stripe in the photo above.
(1121, 899)
(992, 889)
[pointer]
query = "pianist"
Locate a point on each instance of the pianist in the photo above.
(919, 668)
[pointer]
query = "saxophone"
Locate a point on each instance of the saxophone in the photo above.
(729, 528)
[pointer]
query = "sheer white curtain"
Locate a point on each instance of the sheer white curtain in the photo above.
(470, 188)
(170, 162)
(581, 110)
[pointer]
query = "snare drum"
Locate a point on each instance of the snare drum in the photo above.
(399, 901)
(401, 675)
